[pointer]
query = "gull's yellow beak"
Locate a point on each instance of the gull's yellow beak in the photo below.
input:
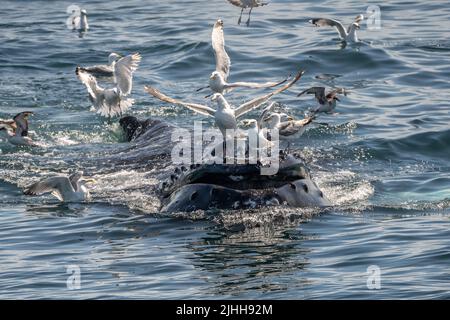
(90, 181)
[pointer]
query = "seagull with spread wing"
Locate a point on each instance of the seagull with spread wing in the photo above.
(347, 35)
(111, 102)
(66, 189)
(225, 115)
(17, 129)
(326, 102)
(218, 81)
(246, 4)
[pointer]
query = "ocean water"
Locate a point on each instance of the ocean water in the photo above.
(383, 159)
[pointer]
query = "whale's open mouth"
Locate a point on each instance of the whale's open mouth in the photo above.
(239, 177)
(218, 186)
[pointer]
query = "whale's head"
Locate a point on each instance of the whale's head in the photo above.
(130, 125)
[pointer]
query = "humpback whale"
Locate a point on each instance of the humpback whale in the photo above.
(192, 187)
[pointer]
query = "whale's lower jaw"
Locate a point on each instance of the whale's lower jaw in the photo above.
(206, 187)
(199, 196)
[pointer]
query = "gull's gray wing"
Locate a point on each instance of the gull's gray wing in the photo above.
(255, 103)
(247, 3)
(201, 109)
(256, 85)
(289, 128)
(101, 70)
(58, 186)
(223, 62)
(90, 82)
(123, 72)
(237, 3)
(319, 93)
(322, 22)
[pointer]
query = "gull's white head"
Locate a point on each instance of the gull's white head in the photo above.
(359, 18)
(83, 12)
(219, 23)
(355, 25)
(215, 76)
(216, 82)
(220, 100)
(113, 57)
(217, 97)
(78, 176)
(272, 120)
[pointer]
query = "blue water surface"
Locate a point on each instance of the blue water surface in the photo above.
(383, 159)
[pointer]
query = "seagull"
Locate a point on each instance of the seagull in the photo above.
(66, 189)
(17, 129)
(252, 127)
(288, 130)
(225, 116)
(326, 101)
(80, 22)
(218, 79)
(111, 102)
(245, 4)
(348, 35)
(103, 70)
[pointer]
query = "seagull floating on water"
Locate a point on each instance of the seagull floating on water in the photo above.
(79, 22)
(66, 189)
(17, 129)
(348, 35)
(326, 101)
(111, 102)
(245, 4)
(103, 70)
(225, 115)
(218, 79)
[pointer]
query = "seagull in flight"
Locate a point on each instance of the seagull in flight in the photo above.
(218, 81)
(225, 116)
(66, 189)
(326, 101)
(17, 129)
(245, 4)
(347, 35)
(111, 102)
